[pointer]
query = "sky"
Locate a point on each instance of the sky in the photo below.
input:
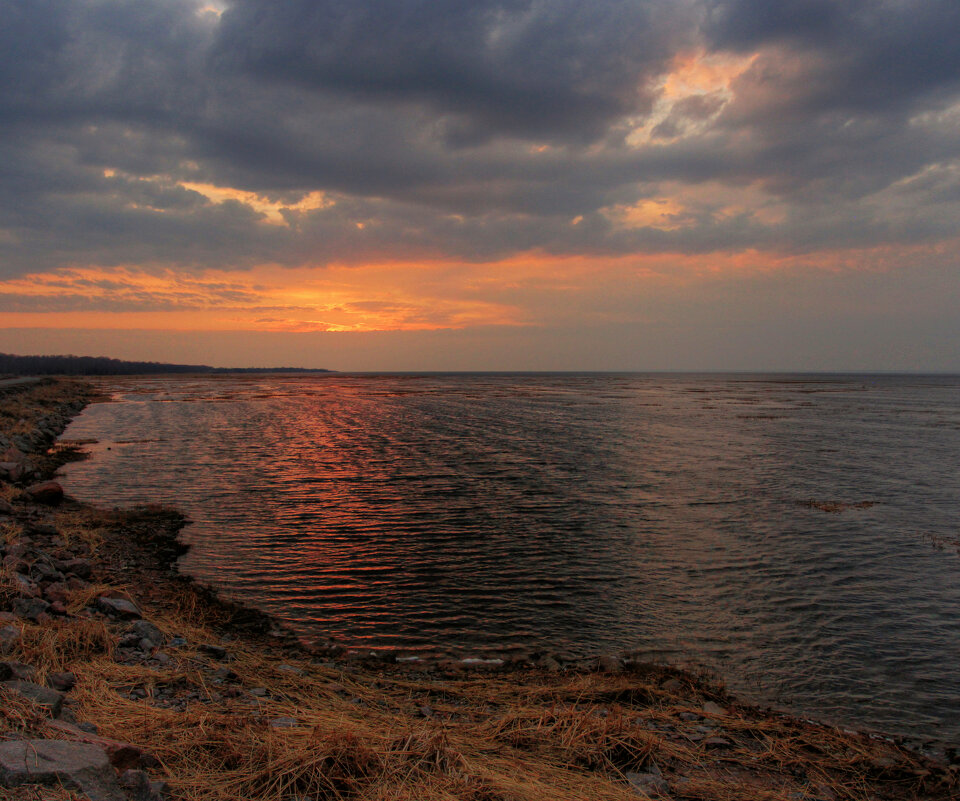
(483, 184)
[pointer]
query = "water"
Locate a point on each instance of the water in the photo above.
(797, 534)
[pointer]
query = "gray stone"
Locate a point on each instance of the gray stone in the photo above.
(118, 607)
(216, 651)
(609, 663)
(710, 708)
(64, 682)
(26, 588)
(649, 784)
(49, 492)
(42, 696)
(258, 692)
(9, 639)
(138, 784)
(284, 723)
(78, 567)
(16, 670)
(75, 766)
(147, 631)
(290, 669)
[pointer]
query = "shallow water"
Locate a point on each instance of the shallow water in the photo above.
(797, 534)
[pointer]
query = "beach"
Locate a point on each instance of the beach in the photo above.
(163, 690)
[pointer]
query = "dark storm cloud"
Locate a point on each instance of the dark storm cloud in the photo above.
(546, 69)
(882, 53)
(470, 130)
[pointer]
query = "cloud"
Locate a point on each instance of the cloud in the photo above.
(158, 134)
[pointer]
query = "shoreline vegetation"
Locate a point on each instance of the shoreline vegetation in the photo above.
(122, 679)
(11, 364)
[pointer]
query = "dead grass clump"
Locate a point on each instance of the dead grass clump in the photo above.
(591, 738)
(83, 526)
(56, 646)
(19, 715)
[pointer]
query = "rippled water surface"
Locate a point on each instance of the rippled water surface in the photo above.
(798, 534)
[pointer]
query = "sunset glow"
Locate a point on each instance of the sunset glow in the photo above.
(252, 173)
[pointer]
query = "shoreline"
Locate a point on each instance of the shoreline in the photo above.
(621, 730)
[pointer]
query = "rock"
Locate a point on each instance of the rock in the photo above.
(81, 568)
(147, 631)
(118, 607)
(673, 685)
(57, 592)
(6, 508)
(710, 708)
(284, 723)
(216, 651)
(290, 669)
(75, 766)
(48, 492)
(225, 674)
(41, 696)
(16, 670)
(649, 784)
(139, 786)
(25, 587)
(9, 639)
(11, 471)
(259, 692)
(121, 755)
(64, 682)
(549, 663)
(609, 663)
(90, 728)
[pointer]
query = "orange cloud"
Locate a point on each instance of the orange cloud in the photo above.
(532, 289)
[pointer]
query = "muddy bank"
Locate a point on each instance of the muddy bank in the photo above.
(122, 679)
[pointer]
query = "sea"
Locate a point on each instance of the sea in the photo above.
(797, 536)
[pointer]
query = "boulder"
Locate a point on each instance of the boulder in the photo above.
(16, 670)
(608, 663)
(216, 651)
(57, 763)
(11, 471)
(139, 786)
(147, 631)
(80, 568)
(49, 492)
(41, 696)
(30, 608)
(118, 607)
(64, 682)
(121, 755)
(9, 639)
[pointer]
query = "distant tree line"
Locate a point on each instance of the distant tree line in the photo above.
(103, 365)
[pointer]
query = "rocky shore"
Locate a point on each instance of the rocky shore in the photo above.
(121, 679)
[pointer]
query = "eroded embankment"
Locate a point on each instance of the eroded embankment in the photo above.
(123, 679)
